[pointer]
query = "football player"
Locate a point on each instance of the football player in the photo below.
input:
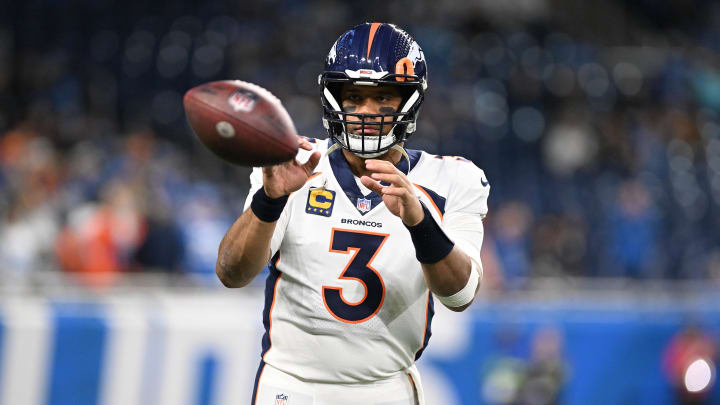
(362, 236)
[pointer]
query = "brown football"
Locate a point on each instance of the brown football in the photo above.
(241, 122)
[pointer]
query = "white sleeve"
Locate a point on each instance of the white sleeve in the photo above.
(256, 182)
(465, 209)
(281, 225)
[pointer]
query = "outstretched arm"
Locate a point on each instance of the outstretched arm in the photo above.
(245, 248)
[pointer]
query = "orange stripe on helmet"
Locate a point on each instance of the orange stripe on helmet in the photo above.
(373, 28)
(404, 67)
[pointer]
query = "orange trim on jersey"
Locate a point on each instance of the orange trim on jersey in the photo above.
(313, 176)
(460, 158)
(404, 67)
(373, 28)
(431, 200)
(339, 289)
(427, 309)
(272, 306)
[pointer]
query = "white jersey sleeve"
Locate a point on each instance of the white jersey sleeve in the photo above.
(256, 181)
(466, 208)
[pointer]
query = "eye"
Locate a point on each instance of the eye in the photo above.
(352, 97)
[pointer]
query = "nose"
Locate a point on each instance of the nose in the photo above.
(368, 106)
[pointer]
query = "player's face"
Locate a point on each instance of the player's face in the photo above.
(370, 100)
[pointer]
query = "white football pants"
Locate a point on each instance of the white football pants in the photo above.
(275, 387)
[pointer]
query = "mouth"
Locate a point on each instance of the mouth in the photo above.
(367, 132)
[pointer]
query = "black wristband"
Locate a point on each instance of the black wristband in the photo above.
(431, 243)
(265, 208)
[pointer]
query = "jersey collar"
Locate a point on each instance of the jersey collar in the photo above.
(346, 179)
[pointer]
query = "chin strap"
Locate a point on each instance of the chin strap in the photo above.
(405, 155)
(332, 148)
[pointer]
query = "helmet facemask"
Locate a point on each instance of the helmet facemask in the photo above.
(402, 122)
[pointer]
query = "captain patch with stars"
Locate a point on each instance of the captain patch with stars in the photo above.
(320, 201)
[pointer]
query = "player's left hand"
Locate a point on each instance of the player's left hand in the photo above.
(399, 196)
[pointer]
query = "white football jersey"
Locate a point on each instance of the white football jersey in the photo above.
(346, 299)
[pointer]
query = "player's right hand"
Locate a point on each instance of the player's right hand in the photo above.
(281, 180)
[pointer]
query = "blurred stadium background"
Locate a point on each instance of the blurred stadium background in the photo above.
(597, 123)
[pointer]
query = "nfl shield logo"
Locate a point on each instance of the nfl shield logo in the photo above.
(242, 100)
(281, 399)
(363, 204)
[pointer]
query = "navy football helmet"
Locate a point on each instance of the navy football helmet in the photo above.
(373, 54)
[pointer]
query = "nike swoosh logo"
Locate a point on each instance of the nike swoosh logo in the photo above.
(484, 182)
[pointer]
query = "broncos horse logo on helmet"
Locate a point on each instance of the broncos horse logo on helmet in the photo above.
(373, 54)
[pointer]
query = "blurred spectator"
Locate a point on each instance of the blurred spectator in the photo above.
(101, 238)
(560, 247)
(493, 276)
(569, 145)
(503, 372)
(511, 225)
(28, 220)
(516, 379)
(163, 248)
(546, 373)
(203, 224)
(713, 267)
(634, 231)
